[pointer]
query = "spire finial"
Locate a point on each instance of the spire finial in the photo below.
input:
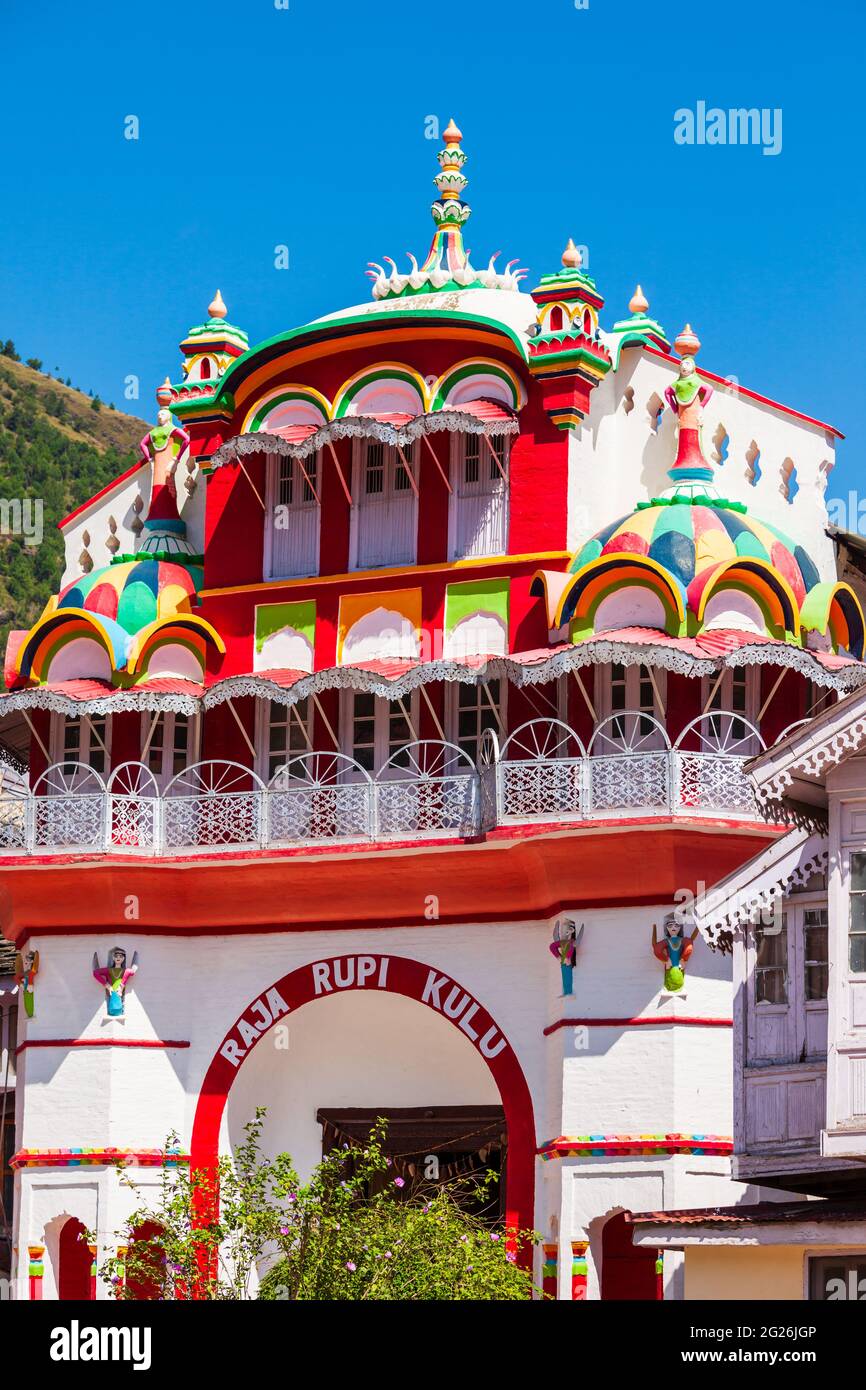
(164, 393)
(217, 309)
(638, 304)
(571, 257)
(451, 134)
(687, 343)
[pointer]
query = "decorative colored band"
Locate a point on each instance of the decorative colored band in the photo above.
(73, 1158)
(549, 1270)
(613, 1145)
(37, 1267)
(579, 1271)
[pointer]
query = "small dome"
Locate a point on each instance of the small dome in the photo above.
(690, 538)
(134, 593)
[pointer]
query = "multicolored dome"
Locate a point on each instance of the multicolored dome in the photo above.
(690, 539)
(134, 593)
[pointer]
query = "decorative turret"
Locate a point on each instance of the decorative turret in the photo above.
(210, 348)
(640, 328)
(566, 353)
(447, 265)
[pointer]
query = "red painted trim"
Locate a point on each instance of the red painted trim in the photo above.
(514, 880)
(103, 491)
(99, 1042)
(753, 395)
(402, 976)
(687, 1020)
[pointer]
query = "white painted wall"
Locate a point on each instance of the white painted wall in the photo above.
(359, 1049)
(617, 459)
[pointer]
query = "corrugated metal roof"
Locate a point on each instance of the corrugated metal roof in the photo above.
(753, 1214)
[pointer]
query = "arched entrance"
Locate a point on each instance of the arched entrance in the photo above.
(75, 1263)
(395, 974)
(627, 1271)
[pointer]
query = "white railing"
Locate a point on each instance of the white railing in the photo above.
(541, 773)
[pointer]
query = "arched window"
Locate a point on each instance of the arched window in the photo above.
(557, 320)
(74, 1282)
(587, 322)
(205, 369)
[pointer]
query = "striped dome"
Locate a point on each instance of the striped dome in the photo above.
(135, 593)
(691, 539)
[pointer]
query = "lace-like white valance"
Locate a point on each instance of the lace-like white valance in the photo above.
(361, 427)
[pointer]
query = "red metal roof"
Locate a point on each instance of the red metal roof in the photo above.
(753, 1214)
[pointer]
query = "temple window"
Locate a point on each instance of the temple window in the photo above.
(620, 688)
(478, 522)
(205, 369)
(556, 321)
(292, 526)
(168, 744)
(474, 708)
(587, 323)
(384, 510)
(86, 740)
(284, 733)
(857, 921)
(734, 693)
(376, 730)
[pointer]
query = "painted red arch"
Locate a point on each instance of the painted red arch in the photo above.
(395, 975)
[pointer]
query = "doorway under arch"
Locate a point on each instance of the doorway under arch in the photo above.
(627, 1271)
(75, 1263)
(415, 980)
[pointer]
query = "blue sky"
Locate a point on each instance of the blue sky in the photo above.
(305, 126)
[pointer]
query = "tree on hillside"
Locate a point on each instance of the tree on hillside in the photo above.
(35, 363)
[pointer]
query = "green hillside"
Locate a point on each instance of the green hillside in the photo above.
(58, 445)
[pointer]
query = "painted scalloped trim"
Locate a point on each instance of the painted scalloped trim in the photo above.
(612, 1145)
(73, 1158)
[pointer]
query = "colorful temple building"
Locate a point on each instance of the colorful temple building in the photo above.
(390, 716)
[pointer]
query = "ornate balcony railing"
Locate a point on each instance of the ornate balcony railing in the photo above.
(541, 773)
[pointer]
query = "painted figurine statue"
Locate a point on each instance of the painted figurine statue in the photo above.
(113, 978)
(162, 447)
(687, 398)
(26, 970)
(566, 939)
(673, 951)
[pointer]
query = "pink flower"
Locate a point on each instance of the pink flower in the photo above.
(511, 1257)
(493, 1235)
(398, 1182)
(351, 1267)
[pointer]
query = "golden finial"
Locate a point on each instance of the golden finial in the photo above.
(217, 309)
(451, 135)
(687, 343)
(571, 257)
(638, 304)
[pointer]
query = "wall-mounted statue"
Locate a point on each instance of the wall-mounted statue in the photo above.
(114, 977)
(566, 939)
(673, 950)
(687, 398)
(26, 970)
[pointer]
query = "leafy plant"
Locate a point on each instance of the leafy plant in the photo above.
(348, 1233)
